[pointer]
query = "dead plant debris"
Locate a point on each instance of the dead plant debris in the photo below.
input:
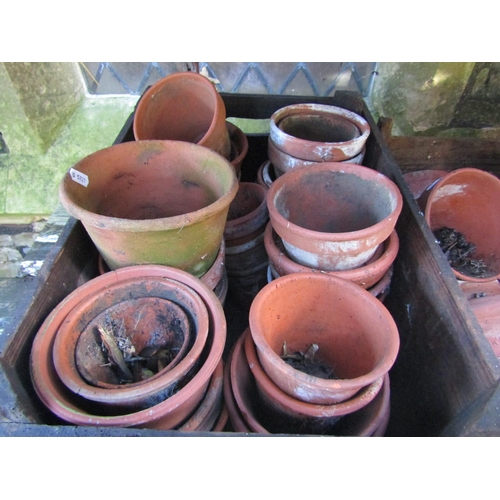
(459, 252)
(305, 362)
(121, 354)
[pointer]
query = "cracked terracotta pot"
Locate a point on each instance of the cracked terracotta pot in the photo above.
(183, 106)
(356, 335)
(366, 275)
(239, 147)
(283, 162)
(152, 202)
(333, 216)
(166, 414)
(318, 132)
(152, 313)
(468, 201)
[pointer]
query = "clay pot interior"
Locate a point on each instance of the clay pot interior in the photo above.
(468, 201)
(333, 216)
(146, 313)
(183, 107)
(356, 336)
(319, 127)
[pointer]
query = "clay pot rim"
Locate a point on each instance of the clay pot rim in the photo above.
(259, 215)
(281, 224)
(147, 225)
(158, 87)
(432, 195)
(357, 275)
(334, 385)
(262, 172)
(49, 391)
(347, 149)
(67, 369)
(358, 401)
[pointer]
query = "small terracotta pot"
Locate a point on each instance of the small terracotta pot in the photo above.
(333, 216)
(266, 175)
(356, 335)
(283, 162)
(183, 106)
(153, 202)
(468, 201)
(318, 132)
(366, 275)
(239, 147)
(165, 415)
(148, 310)
(207, 414)
(311, 418)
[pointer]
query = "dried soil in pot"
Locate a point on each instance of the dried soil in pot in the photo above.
(184, 106)
(321, 137)
(366, 275)
(467, 201)
(165, 415)
(355, 334)
(79, 358)
(153, 202)
(332, 216)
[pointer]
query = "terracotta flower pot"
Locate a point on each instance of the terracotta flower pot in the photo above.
(165, 415)
(283, 162)
(266, 175)
(468, 201)
(239, 147)
(333, 216)
(310, 418)
(152, 202)
(150, 313)
(183, 107)
(367, 275)
(356, 336)
(318, 132)
(421, 183)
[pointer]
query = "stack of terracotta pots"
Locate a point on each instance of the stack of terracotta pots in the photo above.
(334, 218)
(314, 360)
(302, 135)
(246, 256)
(467, 200)
(138, 347)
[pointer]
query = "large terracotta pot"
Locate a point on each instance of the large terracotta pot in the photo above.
(283, 162)
(166, 414)
(318, 132)
(356, 336)
(183, 107)
(468, 201)
(366, 275)
(333, 216)
(149, 313)
(152, 202)
(295, 414)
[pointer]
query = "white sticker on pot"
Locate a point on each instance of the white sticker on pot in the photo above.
(82, 179)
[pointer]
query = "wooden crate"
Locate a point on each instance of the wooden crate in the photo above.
(446, 373)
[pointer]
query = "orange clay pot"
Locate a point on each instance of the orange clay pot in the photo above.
(333, 216)
(366, 275)
(166, 414)
(318, 132)
(152, 202)
(356, 335)
(468, 201)
(183, 107)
